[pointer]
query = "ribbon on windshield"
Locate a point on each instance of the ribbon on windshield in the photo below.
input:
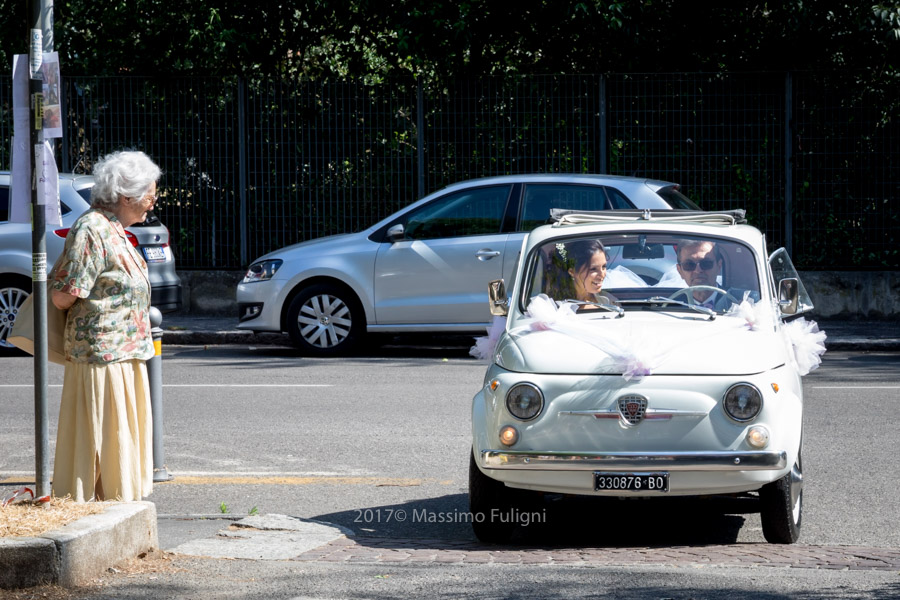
(638, 353)
(635, 355)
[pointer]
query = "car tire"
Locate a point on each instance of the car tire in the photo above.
(489, 498)
(782, 506)
(326, 320)
(14, 290)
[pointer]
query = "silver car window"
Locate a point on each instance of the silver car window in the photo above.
(4, 204)
(539, 198)
(477, 211)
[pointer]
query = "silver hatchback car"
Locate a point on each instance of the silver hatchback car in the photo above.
(151, 237)
(425, 268)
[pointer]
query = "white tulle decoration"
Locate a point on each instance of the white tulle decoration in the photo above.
(545, 312)
(634, 355)
(485, 346)
(808, 343)
(754, 314)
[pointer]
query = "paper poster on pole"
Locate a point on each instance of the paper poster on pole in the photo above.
(46, 173)
(47, 183)
(35, 53)
(52, 105)
(20, 180)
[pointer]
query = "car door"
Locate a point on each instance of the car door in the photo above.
(438, 274)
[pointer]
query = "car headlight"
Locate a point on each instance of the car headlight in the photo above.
(262, 270)
(524, 401)
(742, 402)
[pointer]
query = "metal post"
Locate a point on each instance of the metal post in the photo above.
(788, 164)
(604, 138)
(38, 254)
(420, 136)
(242, 166)
(154, 372)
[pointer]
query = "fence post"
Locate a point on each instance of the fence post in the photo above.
(788, 163)
(420, 136)
(604, 139)
(242, 165)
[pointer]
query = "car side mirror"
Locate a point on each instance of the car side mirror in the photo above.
(788, 295)
(497, 298)
(396, 233)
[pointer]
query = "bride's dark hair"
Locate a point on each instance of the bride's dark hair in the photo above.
(574, 255)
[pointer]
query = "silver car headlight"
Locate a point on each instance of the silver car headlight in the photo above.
(262, 270)
(524, 401)
(742, 402)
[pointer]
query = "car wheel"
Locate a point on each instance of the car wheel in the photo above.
(782, 507)
(325, 320)
(14, 290)
(489, 499)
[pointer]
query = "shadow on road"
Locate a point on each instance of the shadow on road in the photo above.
(560, 521)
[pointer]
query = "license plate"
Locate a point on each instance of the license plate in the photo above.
(154, 253)
(631, 482)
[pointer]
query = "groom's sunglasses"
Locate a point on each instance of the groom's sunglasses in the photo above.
(706, 264)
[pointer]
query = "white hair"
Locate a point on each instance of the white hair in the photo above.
(125, 174)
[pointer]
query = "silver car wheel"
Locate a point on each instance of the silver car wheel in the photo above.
(324, 321)
(11, 298)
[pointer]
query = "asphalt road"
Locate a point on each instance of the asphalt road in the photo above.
(356, 441)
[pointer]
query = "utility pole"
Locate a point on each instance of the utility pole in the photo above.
(37, 12)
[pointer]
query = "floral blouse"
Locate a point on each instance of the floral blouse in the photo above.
(110, 321)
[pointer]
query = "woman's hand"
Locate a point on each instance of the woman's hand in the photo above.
(62, 300)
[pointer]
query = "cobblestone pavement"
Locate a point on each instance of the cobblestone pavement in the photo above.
(384, 550)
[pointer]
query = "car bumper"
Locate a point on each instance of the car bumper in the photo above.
(259, 305)
(690, 473)
(631, 461)
(166, 298)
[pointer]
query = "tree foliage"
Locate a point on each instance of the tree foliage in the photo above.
(456, 38)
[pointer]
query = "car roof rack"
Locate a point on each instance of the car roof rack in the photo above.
(560, 216)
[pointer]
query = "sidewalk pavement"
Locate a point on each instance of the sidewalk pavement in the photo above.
(187, 329)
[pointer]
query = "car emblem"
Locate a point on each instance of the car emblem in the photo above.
(632, 409)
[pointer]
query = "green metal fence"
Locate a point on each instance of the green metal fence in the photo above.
(250, 167)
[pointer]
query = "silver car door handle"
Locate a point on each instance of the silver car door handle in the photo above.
(487, 254)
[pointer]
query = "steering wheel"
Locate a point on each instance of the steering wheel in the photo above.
(688, 292)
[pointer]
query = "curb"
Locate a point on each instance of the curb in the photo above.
(860, 344)
(197, 338)
(80, 551)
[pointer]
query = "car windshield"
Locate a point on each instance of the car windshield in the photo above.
(636, 269)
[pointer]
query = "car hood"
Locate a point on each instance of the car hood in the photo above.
(644, 344)
(288, 252)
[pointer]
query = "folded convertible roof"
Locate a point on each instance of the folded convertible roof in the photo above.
(560, 217)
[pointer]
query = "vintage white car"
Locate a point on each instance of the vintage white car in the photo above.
(644, 355)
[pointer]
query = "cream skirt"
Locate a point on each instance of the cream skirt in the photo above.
(104, 443)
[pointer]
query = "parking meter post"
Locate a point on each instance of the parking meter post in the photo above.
(154, 372)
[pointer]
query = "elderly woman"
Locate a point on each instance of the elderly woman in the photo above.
(104, 439)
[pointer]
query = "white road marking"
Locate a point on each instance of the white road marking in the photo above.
(234, 473)
(856, 387)
(199, 385)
